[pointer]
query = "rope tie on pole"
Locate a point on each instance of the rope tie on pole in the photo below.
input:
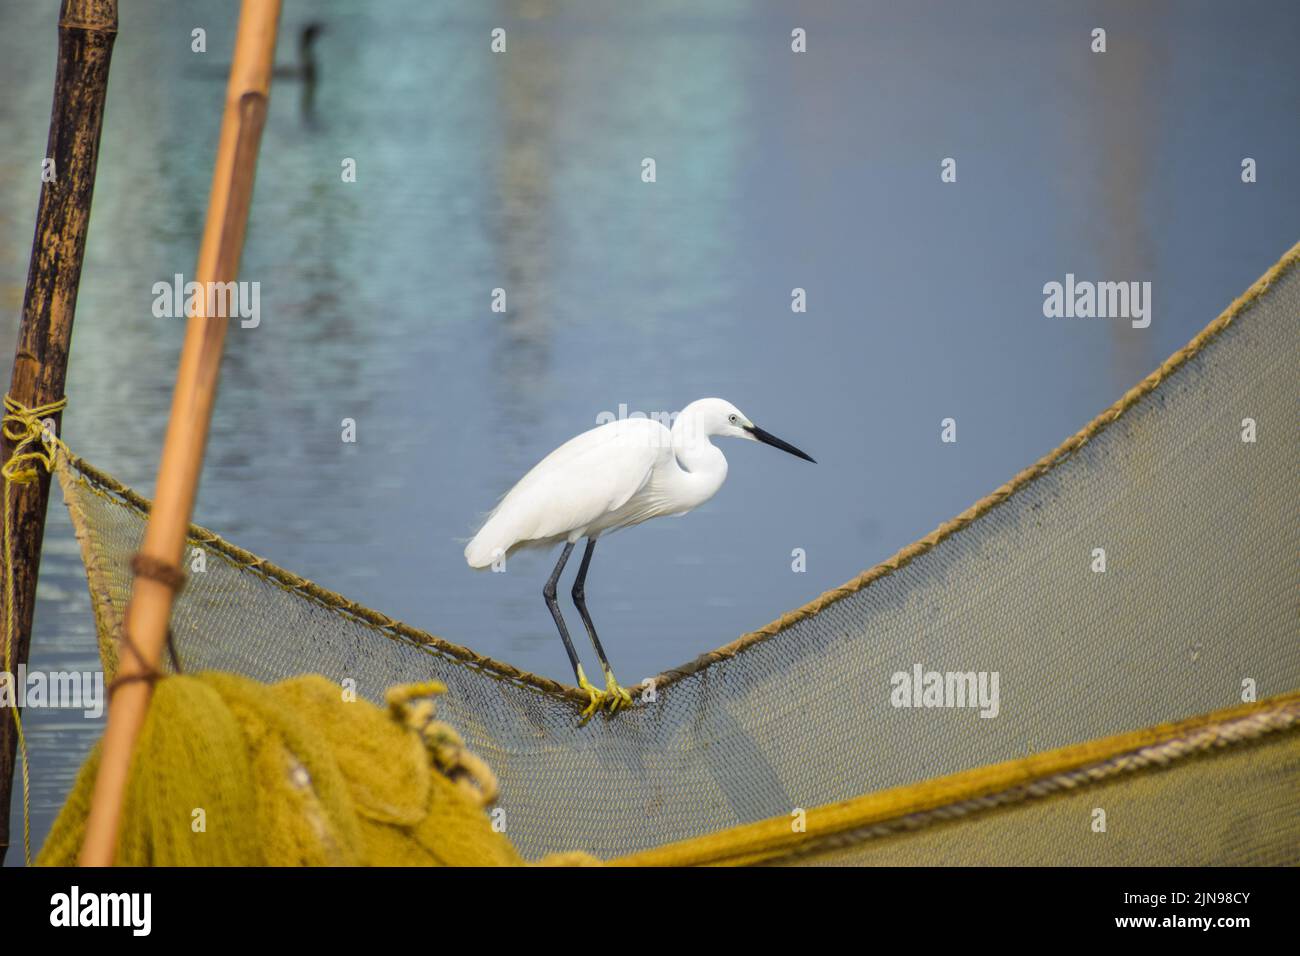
(34, 449)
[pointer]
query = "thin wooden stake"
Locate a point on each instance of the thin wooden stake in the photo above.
(149, 610)
(87, 29)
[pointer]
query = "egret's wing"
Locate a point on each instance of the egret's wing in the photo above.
(589, 487)
(581, 481)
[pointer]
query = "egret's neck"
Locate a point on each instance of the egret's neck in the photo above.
(703, 466)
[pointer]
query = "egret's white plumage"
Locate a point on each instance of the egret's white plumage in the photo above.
(613, 476)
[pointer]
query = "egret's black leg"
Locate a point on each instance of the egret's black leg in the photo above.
(548, 592)
(618, 696)
(580, 599)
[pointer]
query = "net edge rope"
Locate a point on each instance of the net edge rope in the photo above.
(105, 485)
(916, 806)
(1026, 476)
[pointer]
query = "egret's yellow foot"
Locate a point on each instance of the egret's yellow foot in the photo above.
(616, 696)
(598, 696)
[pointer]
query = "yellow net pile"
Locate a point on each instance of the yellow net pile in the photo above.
(229, 772)
(1144, 714)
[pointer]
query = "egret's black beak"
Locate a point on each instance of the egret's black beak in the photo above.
(769, 439)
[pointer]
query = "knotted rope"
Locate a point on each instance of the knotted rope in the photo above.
(33, 449)
(412, 705)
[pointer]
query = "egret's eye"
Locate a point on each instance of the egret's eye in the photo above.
(733, 419)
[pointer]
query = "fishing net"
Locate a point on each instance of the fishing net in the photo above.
(1118, 735)
(232, 772)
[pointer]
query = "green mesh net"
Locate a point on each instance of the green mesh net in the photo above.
(1197, 604)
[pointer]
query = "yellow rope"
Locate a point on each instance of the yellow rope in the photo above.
(979, 789)
(25, 428)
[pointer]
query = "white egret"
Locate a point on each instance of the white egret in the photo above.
(611, 477)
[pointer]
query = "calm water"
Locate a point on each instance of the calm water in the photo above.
(522, 171)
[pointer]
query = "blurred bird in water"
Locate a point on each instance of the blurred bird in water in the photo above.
(306, 67)
(611, 477)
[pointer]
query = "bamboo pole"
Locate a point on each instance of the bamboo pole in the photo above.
(149, 609)
(87, 29)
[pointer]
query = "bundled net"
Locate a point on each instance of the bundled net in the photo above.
(1120, 735)
(233, 772)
